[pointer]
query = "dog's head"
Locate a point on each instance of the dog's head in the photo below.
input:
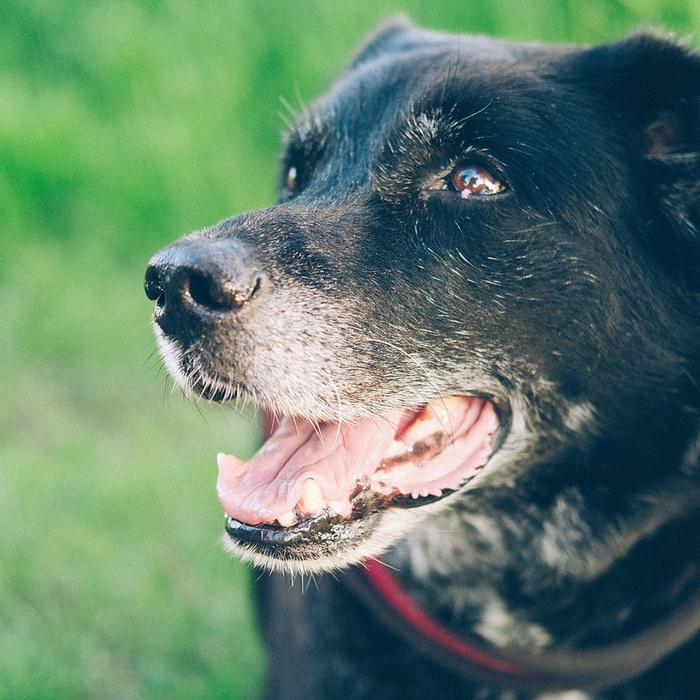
(482, 255)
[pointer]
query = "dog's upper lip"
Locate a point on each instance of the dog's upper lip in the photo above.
(304, 469)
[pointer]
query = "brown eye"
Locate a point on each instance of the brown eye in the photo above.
(292, 179)
(472, 180)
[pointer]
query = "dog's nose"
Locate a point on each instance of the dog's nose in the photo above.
(201, 277)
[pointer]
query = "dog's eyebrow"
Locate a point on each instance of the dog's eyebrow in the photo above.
(425, 129)
(426, 126)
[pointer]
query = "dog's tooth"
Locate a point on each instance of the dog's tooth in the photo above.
(312, 500)
(341, 508)
(436, 417)
(287, 519)
(422, 428)
(443, 409)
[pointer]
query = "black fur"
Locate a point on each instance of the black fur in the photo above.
(573, 295)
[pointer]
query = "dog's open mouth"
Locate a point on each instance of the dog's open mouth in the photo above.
(339, 472)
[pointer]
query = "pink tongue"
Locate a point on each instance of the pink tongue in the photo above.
(270, 484)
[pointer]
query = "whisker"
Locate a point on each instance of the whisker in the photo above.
(421, 367)
(383, 563)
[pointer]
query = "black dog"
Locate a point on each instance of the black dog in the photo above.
(474, 312)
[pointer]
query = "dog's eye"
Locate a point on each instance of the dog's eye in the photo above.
(472, 180)
(292, 181)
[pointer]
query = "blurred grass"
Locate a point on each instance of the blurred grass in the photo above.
(123, 125)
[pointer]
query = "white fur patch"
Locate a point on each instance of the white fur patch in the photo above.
(558, 536)
(579, 416)
(691, 458)
(503, 628)
(171, 353)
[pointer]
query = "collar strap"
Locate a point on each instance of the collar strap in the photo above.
(589, 669)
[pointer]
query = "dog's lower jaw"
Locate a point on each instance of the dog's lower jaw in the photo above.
(394, 525)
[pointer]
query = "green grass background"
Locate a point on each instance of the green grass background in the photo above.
(123, 125)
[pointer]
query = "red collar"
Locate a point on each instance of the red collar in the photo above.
(397, 600)
(546, 670)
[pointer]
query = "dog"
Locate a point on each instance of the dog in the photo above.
(472, 318)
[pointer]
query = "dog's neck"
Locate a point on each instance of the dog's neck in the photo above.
(577, 552)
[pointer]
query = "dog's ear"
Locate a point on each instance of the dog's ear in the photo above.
(651, 83)
(391, 36)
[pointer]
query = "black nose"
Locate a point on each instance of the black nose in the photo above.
(201, 277)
